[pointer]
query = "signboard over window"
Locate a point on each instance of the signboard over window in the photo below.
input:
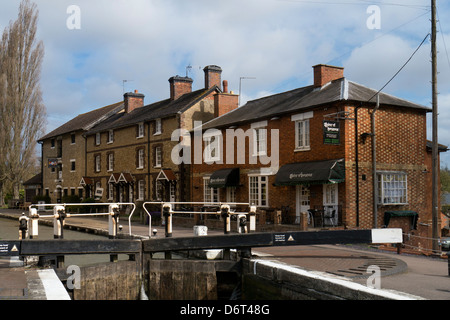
(331, 132)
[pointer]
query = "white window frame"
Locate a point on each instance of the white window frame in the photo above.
(258, 195)
(110, 162)
(158, 126)
(141, 190)
(330, 194)
(259, 132)
(158, 157)
(392, 188)
(302, 131)
(141, 159)
(110, 136)
(231, 194)
(110, 191)
(98, 165)
(141, 130)
(210, 195)
(213, 142)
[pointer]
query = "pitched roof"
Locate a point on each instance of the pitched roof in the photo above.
(160, 109)
(86, 120)
(304, 98)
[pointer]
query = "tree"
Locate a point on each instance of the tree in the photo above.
(22, 112)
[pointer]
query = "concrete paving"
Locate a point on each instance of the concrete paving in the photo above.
(416, 275)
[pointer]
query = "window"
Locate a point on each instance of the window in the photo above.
(210, 195)
(140, 130)
(259, 141)
(141, 190)
(52, 143)
(231, 194)
(140, 164)
(110, 136)
(158, 157)
(98, 163)
(72, 165)
(110, 191)
(72, 138)
(302, 130)
(97, 138)
(330, 194)
(158, 126)
(158, 190)
(258, 190)
(111, 162)
(212, 149)
(392, 188)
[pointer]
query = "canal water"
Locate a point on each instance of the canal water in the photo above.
(9, 230)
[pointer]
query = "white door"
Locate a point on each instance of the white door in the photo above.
(302, 201)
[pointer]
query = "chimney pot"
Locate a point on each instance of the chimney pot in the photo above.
(225, 86)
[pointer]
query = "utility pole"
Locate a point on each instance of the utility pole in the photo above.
(435, 152)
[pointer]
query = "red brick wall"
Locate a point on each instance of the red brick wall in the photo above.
(400, 146)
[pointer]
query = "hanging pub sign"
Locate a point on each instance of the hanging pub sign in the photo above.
(52, 162)
(331, 132)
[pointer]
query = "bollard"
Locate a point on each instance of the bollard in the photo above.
(23, 226)
(113, 220)
(33, 223)
(225, 213)
(252, 214)
(167, 213)
(59, 214)
(242, 223)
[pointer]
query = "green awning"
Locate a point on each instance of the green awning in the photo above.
(224, 178)
(316, 172)
(401, 213)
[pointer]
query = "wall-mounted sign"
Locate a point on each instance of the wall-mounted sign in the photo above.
(331, 132)
(52, 162)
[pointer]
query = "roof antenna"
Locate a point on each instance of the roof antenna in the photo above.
(123, 85)
(188, 69)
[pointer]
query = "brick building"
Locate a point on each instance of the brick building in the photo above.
(129, 155)
(304, 149)
(63, 154)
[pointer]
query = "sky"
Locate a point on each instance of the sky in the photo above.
(96, 50)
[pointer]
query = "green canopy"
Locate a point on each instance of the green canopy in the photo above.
(316, 172)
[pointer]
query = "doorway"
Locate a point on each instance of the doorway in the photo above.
(302, 202)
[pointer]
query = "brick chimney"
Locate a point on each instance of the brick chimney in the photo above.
(212, 76)
(324, 73)
(179, 86)
(225, 102)
(133, 100)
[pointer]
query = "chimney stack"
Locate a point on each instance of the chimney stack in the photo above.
(133, 100)
(212, 76)
(324, 73)
(225, 102)
(179, 86)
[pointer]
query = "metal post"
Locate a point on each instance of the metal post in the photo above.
(58, 221)
(252, 214)
(167, 213)
(23, 227)
(225, 213)
(113, 220)
(34, 223)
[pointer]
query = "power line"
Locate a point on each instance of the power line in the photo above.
(407, 61)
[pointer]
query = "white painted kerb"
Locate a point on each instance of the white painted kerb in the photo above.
(54, 289)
